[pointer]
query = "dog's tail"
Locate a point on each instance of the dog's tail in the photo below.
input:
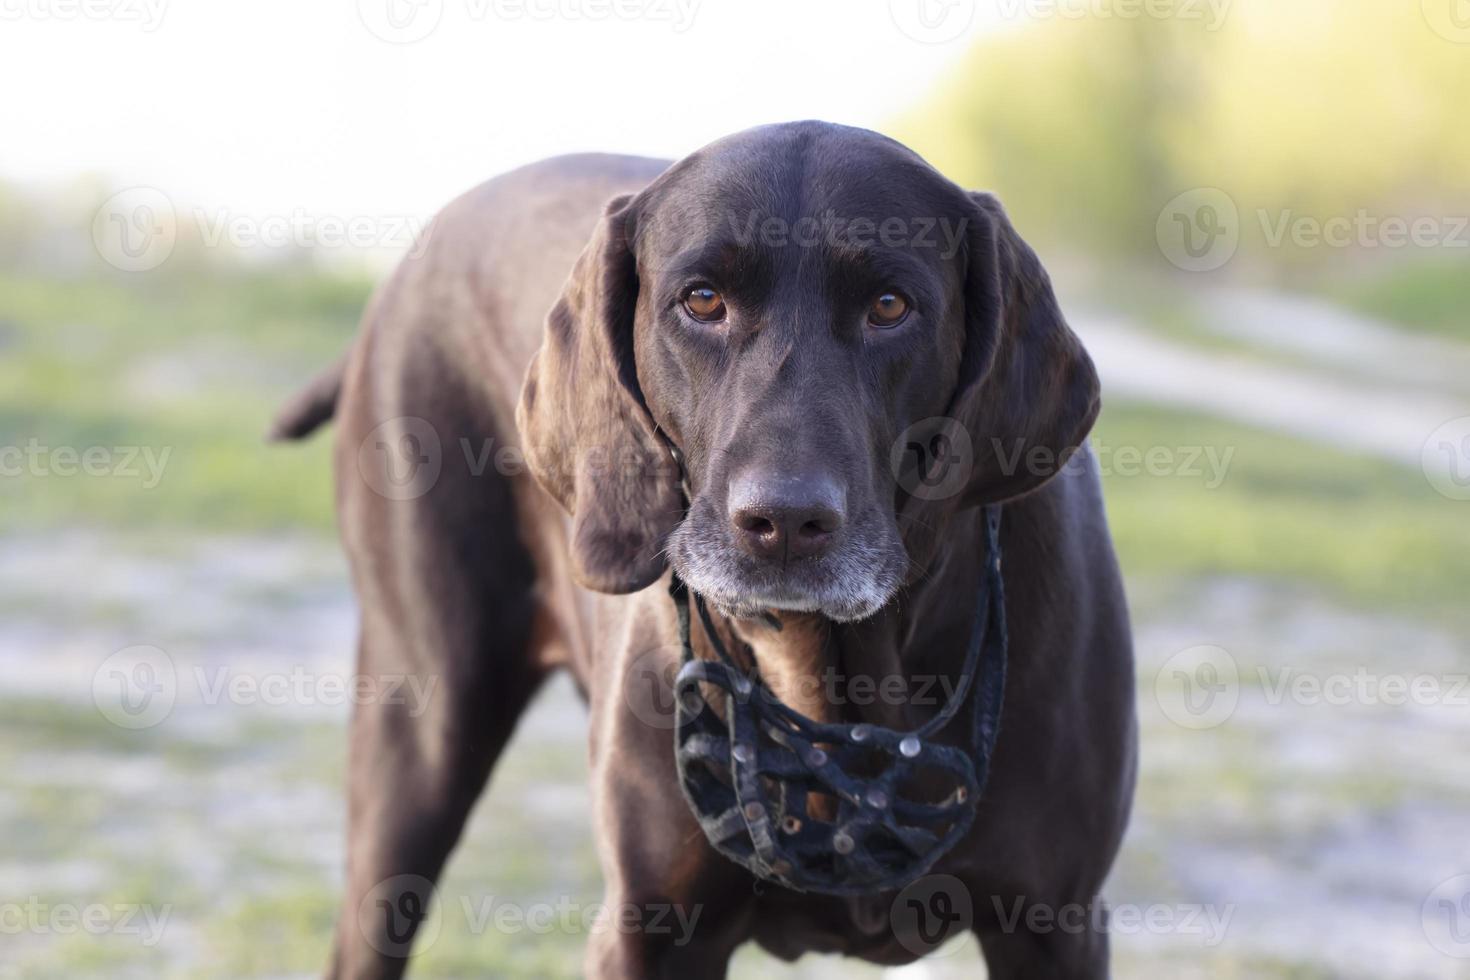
(311, 406)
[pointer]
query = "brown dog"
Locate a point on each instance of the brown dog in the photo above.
(764, 320)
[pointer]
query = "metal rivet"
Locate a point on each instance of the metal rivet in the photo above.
(816, 758)
(877, 799)
(743, 754)
(909, 746)
(861, 733)
(742, 686)
(755, 812)
(961, 795)
(790, 824)
(842, 843)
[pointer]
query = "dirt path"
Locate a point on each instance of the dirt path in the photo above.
(1337, 337)
(1388, 421)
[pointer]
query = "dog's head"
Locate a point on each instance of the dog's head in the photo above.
(790, 310)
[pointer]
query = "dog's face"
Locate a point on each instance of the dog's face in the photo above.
(783, 348)
(777, 309)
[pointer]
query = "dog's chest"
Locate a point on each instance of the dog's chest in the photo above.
(788, 925)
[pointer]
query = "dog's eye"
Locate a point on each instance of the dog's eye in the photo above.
(705, 304)
(887, 311)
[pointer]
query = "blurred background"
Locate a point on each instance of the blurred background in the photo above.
(1257, 214)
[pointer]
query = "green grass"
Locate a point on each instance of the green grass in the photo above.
(1433, 297)
(1289, 510)
(191, 367)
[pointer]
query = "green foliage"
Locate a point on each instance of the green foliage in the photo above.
(188, 366)
(1433, 296)
(1287, 510)
(1088, 127)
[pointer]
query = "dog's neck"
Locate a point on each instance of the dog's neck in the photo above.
(866, 671)
(795, 660)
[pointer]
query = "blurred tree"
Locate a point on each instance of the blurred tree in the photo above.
(1312, 109)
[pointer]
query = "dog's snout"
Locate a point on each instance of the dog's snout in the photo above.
(781, 516)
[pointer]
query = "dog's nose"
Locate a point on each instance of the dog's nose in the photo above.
(780, 516)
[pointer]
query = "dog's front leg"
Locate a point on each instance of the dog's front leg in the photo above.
(1065, 940)
(674, 907)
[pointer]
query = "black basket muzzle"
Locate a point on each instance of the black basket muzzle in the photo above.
(893, 802)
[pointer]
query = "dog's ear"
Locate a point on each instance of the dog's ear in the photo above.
(587, 435)
(1027, 393)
